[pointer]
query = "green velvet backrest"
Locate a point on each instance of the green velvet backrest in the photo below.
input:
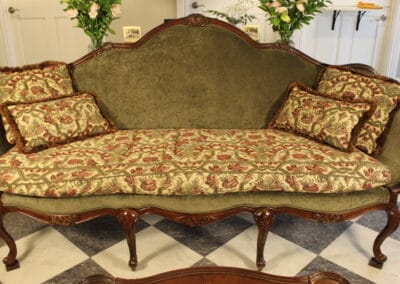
(184, 76)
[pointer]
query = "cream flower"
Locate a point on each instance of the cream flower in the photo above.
(72, 13)
(116, 10)
(93, 10)
(276, 4)
(300, 6)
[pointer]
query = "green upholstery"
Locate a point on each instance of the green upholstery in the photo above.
(327, 203)
(390, 154)
(192, 77)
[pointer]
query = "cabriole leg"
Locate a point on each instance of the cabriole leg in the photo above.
(10, 260)
(393, 215)
(264, 218)
(128, 219)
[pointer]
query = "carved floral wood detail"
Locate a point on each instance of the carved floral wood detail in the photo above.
(195, 220)
(327, 218)
(63, 220)
(196, 20)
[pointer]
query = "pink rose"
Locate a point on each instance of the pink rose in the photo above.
(93, 10)
(280, 10)
(116, 10)
(72, 13)
(276, 4)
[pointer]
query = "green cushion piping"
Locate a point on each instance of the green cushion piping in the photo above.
(328, 203)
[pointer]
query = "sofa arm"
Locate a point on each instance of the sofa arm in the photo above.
(390, 154)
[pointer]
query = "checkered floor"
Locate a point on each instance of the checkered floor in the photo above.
(294, 247)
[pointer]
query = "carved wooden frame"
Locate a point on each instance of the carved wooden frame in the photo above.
(220, 275)
(263, 215)
(198, 21)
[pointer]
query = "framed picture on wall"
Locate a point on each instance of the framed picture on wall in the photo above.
(252, 31)
(132, 33)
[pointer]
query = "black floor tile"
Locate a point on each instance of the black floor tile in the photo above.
(97, 235)
(204, 262)
(376, 221)
(204, 239)
(78, 273)
(19, 226)
(320, 264)
(307, 234)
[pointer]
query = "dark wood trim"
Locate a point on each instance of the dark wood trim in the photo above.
(128, 218)
(213, 274)
(393, 221)
(10, 260)
(263, 216)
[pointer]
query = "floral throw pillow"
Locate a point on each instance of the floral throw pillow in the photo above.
(29, 83)
(308, 113)
(48, 123)
(385, 92)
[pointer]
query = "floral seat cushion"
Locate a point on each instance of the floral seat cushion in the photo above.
(189, 162)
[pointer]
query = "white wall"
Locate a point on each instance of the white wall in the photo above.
(3, 58)
(145, 13)
(398, 69)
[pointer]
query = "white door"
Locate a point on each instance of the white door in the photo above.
(38, 30)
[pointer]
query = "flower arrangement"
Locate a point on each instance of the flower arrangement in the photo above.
(237, 13)
(286, 16)
(94, 17)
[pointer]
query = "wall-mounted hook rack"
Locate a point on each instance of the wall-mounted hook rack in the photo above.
(359, 17)
(361, 11)
(336, 13)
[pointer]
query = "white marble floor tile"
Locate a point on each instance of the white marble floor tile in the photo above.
(282, 256)
(41, 255)
(157, 252)
(353, 249)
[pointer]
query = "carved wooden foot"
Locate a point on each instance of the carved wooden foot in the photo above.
(10, 260)
(392, 224)
(128, 219)
(264, 218)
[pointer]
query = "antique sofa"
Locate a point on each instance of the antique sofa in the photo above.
(201, 91)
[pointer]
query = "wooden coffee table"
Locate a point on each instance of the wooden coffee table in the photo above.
(217, 274)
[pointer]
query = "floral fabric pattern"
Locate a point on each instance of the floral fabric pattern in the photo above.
(189, 162)
(41, 125)
(49, 80)
(330, 121)
(383, 92)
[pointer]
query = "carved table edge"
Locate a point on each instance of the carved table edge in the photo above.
(314, 278)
